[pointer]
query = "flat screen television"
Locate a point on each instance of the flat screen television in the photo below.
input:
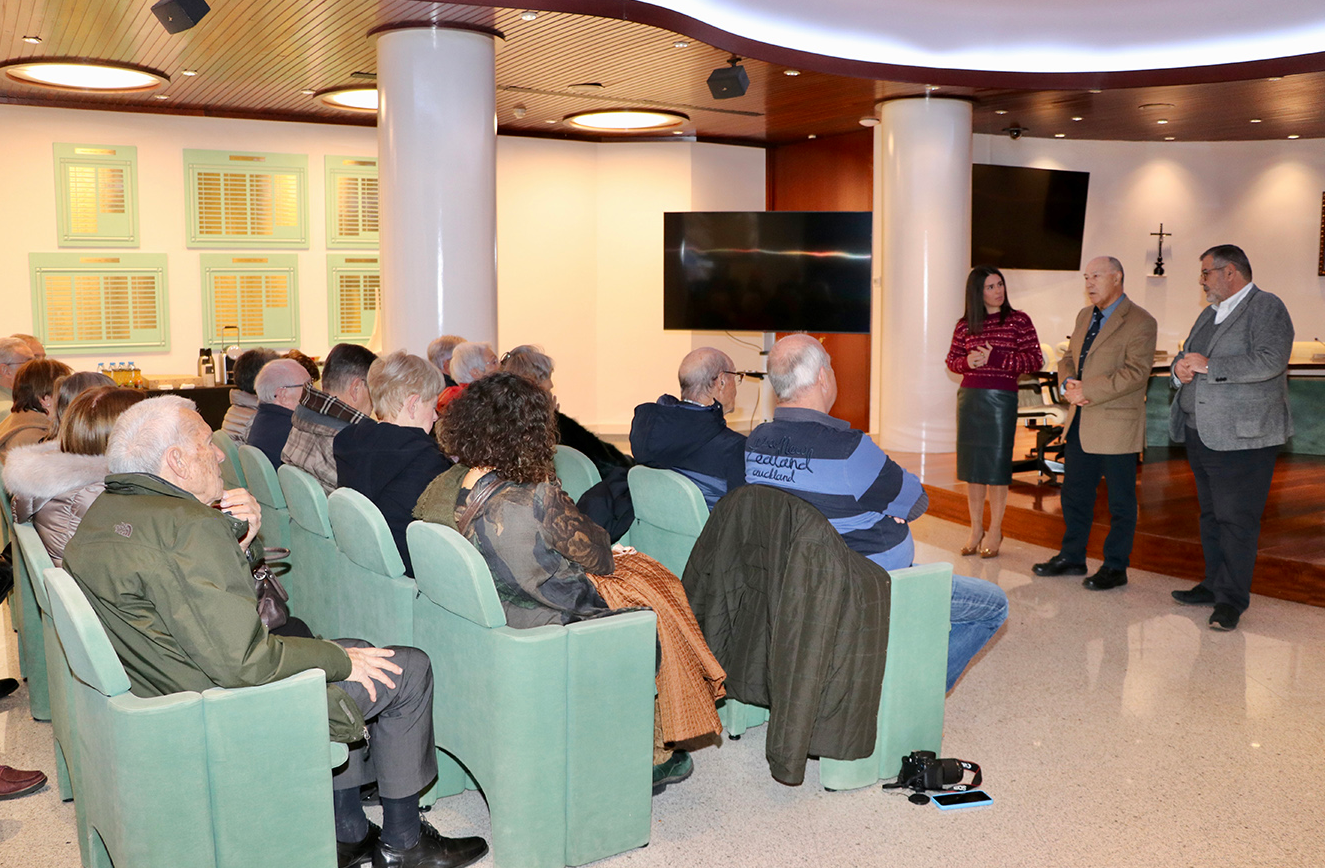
(767, 271)
(1027, 218)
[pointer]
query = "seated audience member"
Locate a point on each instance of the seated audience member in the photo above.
(38, 351)
(439, 353)
(307, 362)
(321, 414)
(866, 496)
(182, 616)
(279, 385)
(469, 362)
(14, 353)
(391, 462)
(690, 434)
(34, 400)
(70, 387)
(54, 483)
(533, 364)
(244, 396)
(551, 564)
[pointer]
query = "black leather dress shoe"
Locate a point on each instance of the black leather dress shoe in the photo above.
(7, 686)
(1225, 617)
(432, 851)
(1197, 596)
(1106, 578)
(1059, 566)
(349, 855)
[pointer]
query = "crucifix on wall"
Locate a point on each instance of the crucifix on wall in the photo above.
(1159, 254)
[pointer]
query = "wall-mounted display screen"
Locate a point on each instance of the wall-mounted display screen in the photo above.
(767, 271)
(1027, 218)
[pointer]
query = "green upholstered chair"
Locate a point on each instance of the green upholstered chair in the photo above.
(314, 559)
(28, 547)
(576, 472)
(231, 472)
(374, 597)
(223, 778)
(670, 513)
(27, 621)
(911, 705)
(555, 724)
(266, 488)
(914, 678)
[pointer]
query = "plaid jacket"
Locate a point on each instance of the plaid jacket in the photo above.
(317, 420)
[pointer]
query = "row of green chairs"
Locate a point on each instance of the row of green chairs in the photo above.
(553, 724)
(27, 621)
(670, 514)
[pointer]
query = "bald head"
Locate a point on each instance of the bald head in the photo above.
(38, 351)
(802, 373)
(704, 378)
(281, 381)
(13, 353)
(1104, 281)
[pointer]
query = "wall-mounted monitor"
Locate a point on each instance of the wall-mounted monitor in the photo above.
(767, 271)
(1027, 218)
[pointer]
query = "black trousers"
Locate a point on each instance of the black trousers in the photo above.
(1232, 488)
(401, 754)
(1082, 472)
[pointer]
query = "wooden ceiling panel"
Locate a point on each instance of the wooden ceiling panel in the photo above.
(254, 57)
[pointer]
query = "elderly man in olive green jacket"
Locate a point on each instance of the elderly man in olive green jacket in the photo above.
(168, 577)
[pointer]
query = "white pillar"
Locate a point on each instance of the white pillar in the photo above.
(437, 156)
(922, 253)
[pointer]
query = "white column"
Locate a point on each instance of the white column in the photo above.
(922, 253)
(437, 155)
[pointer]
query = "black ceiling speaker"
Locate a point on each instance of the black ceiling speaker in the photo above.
(179, 15)
(729, 82)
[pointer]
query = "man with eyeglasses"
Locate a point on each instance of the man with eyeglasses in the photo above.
(13, 353)
(1232, 413)
(690, 434)
(280, 385)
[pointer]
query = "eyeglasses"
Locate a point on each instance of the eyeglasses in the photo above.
(1205, 271)
(740, 377)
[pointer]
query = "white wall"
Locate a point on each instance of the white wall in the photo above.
(1264, 197)
(579, 239)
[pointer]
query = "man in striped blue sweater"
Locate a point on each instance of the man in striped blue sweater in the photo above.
(863, 493)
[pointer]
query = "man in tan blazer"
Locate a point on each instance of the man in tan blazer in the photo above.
(1104, 377)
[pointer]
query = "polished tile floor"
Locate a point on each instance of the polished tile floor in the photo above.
(1115, 729)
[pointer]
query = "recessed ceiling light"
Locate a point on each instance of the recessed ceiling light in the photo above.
(869, 121)
(626, 120)
(1275, 78)
(1060, 135)
(680, 43)
(1095, 91)
(812, 136)
(931, 87)
(791, 72)
(1255, 120)
(1000, 111)
(32, 40)
(1162, 121)
(528, 16)
(355, 99)
(1077, 118)
(1169, 138)
(84, 76)
(160, 96)
(1295, 136)
(189, 72)
(308, 91)
(586, 86)
(550, 121)
(678, 132)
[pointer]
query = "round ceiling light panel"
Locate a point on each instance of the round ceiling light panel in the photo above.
(355, 99)
(626, 120)
(96, 77)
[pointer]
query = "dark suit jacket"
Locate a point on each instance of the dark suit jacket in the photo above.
(1243, 402)
(1117, 372)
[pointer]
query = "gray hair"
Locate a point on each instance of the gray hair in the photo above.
(144, 432)
(1115, 265)
(394, 377)
(794, 365)
(699, 370)
(440, 350)
(528, 361)
(13, 350)
(471, 360)
(1230, 254)
(276, 375)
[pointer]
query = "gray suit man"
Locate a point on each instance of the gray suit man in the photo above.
(1232, 412)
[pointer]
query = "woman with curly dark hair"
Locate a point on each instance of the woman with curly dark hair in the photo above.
(553, 565)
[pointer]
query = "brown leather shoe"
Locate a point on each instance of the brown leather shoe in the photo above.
(17, 782)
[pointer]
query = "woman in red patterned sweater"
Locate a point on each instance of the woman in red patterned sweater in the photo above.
(991, 346)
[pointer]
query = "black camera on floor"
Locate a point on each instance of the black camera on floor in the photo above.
(924, 770)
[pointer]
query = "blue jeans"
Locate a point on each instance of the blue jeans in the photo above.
(978, 608)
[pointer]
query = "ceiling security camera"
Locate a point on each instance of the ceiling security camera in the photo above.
(1014, 132)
